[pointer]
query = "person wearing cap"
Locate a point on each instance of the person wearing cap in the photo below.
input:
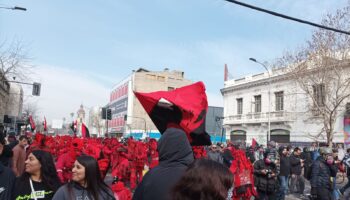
(322, 170)
(297, 179)
(265, 176)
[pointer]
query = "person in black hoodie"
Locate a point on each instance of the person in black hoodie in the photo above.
(175, 155)
(284, 172)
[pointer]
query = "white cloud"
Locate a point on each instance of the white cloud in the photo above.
(63, 90)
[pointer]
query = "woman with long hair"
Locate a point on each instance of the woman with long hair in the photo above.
(204, 179)
(86, 182)
(40, 180)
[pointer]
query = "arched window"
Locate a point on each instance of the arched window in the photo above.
(237, 135)
(280, 135)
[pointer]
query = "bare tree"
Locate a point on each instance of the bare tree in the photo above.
(14, 60)
(322, 70)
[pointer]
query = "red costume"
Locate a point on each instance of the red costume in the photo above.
(242, 171)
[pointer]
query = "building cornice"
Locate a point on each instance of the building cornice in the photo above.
(255, 83)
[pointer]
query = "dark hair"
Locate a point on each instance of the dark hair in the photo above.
(297, 149)
(48, 172)
(23, 137)
(204, 179)
(94, 182)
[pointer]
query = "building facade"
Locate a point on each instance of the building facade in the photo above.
(97, 125)
(128, 116)
(254, 103)
(4, 96)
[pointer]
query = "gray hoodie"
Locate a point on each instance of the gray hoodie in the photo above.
(73, 191)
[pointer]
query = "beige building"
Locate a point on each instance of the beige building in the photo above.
(4, 96)
(15, 103)
(123, 101)
(11, 99)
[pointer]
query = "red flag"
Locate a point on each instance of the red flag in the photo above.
(84, 131)
(32, 123)
(254, 143)
(186, 107)
(45, 124)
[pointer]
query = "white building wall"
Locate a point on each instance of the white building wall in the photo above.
(295, 117)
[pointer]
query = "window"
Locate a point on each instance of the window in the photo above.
(279, 100)
(151, 76)
(319, 94)
(239, 106)
(161, 78)
(257, 103)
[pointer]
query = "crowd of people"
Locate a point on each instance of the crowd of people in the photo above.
(67, 167)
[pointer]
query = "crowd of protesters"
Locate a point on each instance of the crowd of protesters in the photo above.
(66, 167)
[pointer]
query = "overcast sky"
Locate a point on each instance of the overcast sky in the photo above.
(82, 48)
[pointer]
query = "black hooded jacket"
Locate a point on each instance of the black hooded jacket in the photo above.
(175, 154)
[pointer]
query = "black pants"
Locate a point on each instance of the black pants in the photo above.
(265, 195)
(323, 194)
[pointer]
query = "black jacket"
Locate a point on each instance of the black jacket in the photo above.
(265, 182)
(5, 157)
(175, 154)
(284, 166)
(295, 165)
(321, 173)
(7, 180)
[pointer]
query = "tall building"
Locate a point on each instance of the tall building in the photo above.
(248, 110)
(128, 115)
(80, 118)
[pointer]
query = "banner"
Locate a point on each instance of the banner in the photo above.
(347, 131)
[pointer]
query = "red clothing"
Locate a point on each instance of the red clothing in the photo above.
(18, 159)
(64, 166)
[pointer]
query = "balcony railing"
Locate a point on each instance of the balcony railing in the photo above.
(279, 116)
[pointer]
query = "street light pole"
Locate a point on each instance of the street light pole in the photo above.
(269, 90)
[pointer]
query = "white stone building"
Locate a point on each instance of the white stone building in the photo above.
(246, 110)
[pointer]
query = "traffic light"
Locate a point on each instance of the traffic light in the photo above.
(36, 89)
(109, 114)
(104, 113)
(125, 117)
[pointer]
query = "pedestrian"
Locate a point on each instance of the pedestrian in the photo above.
(346, 162)
(216, 184)
(265, 176)
(214, 154)
(86, 182)
(6, 154)
(297, 180)
(284, 172)
(322, 170)
(259, 153)
(7, 177)
(19, 156)
(40, 180)
(175, 154)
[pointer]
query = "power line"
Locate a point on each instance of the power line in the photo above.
(288, 17)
